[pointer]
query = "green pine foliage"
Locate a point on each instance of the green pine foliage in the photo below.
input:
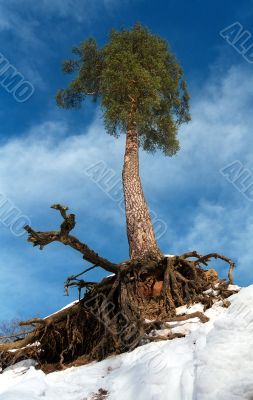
(134, 64)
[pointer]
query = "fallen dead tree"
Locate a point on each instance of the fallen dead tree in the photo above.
(111, 317)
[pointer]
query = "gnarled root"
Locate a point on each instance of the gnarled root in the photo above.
(111, 317)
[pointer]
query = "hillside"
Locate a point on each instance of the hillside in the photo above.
(213, 361)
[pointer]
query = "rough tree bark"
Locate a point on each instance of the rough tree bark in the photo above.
(140, 232)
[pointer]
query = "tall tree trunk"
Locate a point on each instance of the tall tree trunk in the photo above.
(141, 237)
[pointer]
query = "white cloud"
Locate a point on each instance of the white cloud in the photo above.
(22, 18)
(79, 9)
(40, 24)
(46, 164)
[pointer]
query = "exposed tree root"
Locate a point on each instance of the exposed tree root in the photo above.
(111, 317)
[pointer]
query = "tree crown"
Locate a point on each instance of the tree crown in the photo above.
(139, 83)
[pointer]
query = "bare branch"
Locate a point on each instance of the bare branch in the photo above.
(191, 254)
(33, 321)
(16, 335)
(42, 239)
(206, 259)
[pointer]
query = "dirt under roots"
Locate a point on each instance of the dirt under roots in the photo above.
(113, 315)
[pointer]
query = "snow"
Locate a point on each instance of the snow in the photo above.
(64, 308)
(213, 362)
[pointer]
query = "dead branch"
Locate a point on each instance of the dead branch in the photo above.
(42, 323)
(42, 239)
(178, 318)
(184, 317)
(16, 335)
(79, 283)
(205, 259)
(32, 322)
(170, 336)
(191, 254)
(19, 344)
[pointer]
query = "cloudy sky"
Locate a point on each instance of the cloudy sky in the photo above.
(200, 199)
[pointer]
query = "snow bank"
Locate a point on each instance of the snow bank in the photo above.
(214, 361)
(224, 364)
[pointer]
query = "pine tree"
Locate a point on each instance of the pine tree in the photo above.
(139, 85)
(140, 88)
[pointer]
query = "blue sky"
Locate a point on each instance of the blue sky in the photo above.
(45, 152)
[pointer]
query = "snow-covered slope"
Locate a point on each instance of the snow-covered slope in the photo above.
(213, 362)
